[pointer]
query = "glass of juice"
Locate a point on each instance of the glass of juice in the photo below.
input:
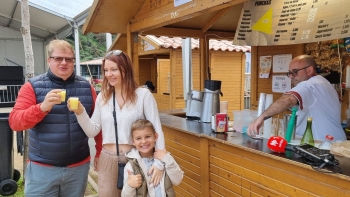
(74, 102)
(63, 95)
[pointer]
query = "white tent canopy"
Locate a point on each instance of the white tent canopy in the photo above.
(48, 18)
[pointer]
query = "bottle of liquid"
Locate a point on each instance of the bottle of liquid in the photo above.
(327, 143)
(308, 138)
(291, 123)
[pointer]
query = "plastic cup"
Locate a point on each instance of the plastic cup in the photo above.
(63, 95)
(74, 102)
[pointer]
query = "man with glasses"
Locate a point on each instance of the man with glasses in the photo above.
(314, 97)
(59, 154)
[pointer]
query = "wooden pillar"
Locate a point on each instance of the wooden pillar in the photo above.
(204, 60)
(129, 41)
(243, 63)
(135, 57)
(173, 78)
(254, 78)
(132, 51)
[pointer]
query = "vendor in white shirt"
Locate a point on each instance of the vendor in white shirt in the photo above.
(314, 97)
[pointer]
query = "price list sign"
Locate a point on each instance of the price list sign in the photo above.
(282, 22)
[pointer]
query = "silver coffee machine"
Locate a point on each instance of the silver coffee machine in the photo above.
(194, 105)
(211, 99)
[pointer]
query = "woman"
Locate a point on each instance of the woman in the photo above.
(132, 103)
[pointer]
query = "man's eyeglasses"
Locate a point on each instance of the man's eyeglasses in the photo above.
(114, 52)
(60, 59)
(294, 72)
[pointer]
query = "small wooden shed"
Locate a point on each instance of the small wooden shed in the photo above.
(160, 61)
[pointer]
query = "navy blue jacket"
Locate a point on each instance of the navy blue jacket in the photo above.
(58, 139)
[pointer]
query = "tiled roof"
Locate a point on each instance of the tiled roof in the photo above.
(216, 45)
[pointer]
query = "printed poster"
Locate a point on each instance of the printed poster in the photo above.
(280, 63)
(265, 66)
(281, 83)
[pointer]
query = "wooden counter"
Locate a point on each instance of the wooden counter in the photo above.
(233, 164)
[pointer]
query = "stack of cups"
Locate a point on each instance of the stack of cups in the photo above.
(268, 122)
(261, 105)
(261, 108)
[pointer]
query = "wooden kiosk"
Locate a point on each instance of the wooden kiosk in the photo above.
(215, 164)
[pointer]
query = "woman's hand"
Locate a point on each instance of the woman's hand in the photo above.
(156, 175)
(134, 181)
(76, 111)
(159, 154)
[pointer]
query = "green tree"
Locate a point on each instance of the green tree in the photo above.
(91, 45)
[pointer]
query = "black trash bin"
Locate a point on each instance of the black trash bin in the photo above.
(8, 175)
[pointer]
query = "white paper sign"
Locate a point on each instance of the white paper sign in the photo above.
(265, 66)
(281, 83)
(280, 63)
(180, 2)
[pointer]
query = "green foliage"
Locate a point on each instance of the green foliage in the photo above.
(91, 45)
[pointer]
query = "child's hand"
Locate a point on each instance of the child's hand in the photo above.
(156, 175)
(159, 154)
(134, 181)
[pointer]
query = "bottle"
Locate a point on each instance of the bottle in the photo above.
(326, 145)
(291, 123)
(308, 138)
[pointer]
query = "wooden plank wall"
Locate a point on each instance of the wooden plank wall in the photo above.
(237, 172)
(163, 73)
(214, 168)
(185, 149)
(265, 84)
(228, 67)
(163, 101)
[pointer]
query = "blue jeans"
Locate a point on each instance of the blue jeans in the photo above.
(55, 181)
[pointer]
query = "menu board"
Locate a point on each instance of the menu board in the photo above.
(284, 22)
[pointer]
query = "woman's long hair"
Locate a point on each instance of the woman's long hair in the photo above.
(128, 83)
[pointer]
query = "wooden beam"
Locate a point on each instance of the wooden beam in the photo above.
(151, 42)
(213, 20)
(157, 51)
(115, 41)
(168, 14)
(186, 33)
(91, 17)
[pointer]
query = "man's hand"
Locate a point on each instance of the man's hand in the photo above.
(254, 127)
(159, 154)
(134, 181)
(52, 98)
(156, 175)
(96, 159)
(78, 111)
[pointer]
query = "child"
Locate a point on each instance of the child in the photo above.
(141, 158)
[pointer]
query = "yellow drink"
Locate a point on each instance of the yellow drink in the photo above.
(63, 95)
(74, 102)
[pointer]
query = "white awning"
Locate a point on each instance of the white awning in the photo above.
(48, 18)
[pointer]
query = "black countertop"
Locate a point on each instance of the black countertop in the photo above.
(236, 139)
